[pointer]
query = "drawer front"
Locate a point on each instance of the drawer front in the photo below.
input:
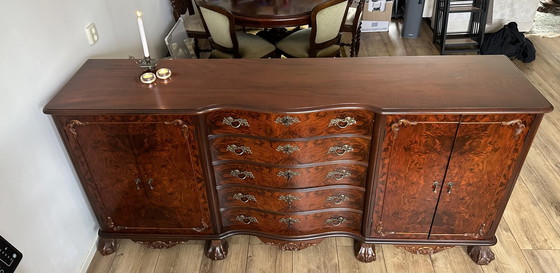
(292, 201)
(290, 152)
(300, 223)
(292, 177)
(287, 125)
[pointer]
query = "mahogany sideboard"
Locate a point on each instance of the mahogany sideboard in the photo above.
(420, 152)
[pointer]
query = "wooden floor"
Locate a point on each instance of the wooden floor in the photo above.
(528, 235)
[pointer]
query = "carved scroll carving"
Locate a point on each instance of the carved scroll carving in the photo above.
(423, 249)
(182, 125)
(290, 246)
(515, 122)
(112, 225)
(382, 232)
(70, 126)
(401, 123)
(160, 244)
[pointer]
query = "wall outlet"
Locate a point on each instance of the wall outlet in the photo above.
(91, 33)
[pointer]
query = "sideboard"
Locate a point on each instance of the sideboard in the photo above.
(419, 152)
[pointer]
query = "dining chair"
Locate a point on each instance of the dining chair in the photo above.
(353, 25)
(322, 38)
(225, 40)
(192, 22)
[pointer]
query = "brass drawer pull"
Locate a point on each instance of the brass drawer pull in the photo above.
(150, 183)
(288, 199)
(137, 181)
(335, 221)
(244, 197)
(235, 122)
(286, 121)
(338, 175)
(287, 149)
(289, 221)
(241, 174)
(288, 174)
(246, 219)
(239, 150)
(338, 150)
(342, 123)
(337, 199)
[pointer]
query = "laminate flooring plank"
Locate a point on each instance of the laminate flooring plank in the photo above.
(454, 260)
(321, 258)
(347, 262)
(132, 257)
(509, 257)
(528, 223)
(269, 259)
(100, 263)
(236, 260)
(184, 258)
(543, 261)
(401, 261)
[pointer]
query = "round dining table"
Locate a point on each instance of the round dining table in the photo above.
(269, 13)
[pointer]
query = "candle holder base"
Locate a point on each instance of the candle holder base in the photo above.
(147, 63)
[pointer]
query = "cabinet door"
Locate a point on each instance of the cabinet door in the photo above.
(415, 153)
(485, 154)
(143, 174)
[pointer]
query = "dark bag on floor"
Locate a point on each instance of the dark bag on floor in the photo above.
(510, 42)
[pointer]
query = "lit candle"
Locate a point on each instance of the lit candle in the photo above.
(142, 34)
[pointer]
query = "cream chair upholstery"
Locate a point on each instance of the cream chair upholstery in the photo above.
(227, 42)
(321, 39)
(353, 25)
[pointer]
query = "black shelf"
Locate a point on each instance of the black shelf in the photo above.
(472, 38)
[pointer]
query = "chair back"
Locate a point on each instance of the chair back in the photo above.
(358, 15)
(181, 7)
(326, 20)
(220, 25)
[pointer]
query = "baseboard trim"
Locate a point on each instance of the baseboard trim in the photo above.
(89, 257)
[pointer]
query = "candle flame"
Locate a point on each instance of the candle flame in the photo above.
(139, 13)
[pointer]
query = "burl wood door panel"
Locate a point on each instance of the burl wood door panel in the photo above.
(143, 174)
(290, 125)
(294, 223)
(299, 176)
(292, 200)
(484, 156)
(290, 152)
(415, 153)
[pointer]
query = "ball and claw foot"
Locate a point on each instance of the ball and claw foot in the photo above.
(106, 246)
(481, 255)
(216, 249)
(364, 252)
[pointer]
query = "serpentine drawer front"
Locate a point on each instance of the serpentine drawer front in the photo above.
(295, 151)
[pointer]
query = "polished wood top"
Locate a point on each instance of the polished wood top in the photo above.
(269, 13)
(428, 84)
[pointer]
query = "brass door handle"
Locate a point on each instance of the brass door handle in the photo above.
(335, 221)
(338, 175)
(239, 150)
(235, 122)
(137, 181)
(289, 221)
(287, 149)
(449, 187)
(150, 183)
(241, 174)
(246, 219)
(337, 199)
(342, 122)
(340, 150)
(244, 197)
(286, 120)
(435, 186)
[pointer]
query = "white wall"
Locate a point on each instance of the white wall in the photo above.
(43, 210)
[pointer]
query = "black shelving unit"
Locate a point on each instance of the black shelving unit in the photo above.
(460, 42)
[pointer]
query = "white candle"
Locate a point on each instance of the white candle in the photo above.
(142, 34)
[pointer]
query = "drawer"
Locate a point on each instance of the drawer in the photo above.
(290, 125)
(298, 176)
(292, 201)
(290, 152)
(293, 223)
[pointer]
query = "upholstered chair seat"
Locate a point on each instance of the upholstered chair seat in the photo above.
(297, 45)
(225, 41)
(250, 46)
(322, 38)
